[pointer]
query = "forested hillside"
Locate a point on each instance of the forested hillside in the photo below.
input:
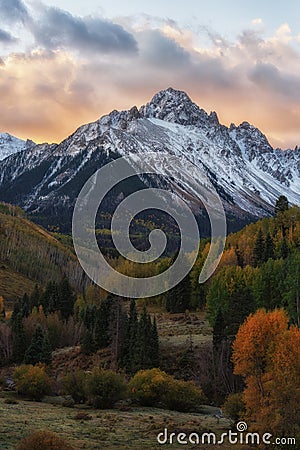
(30, 255)
(193, 344)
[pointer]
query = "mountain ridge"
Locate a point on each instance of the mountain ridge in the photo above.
(244, 168)
(10, 145)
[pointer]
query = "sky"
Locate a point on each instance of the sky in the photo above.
(64, 63)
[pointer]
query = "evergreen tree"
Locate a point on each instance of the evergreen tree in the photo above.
(143, 342)
(88, 344)
(269, 247)
(19, 343)
(239, 256)
(178, 299)
(283, 249)
(154, 344)
(281, 205)
(292, 287)
(101, 329)
(240, 306)
(117, 326)
(66, 298)
(35, 298)
(39, 350)
(267, 284)
(25, 306)
(50, 298)
(140, 347)
(259, 249)
(89, 318)
(219, 333)
(129, 351)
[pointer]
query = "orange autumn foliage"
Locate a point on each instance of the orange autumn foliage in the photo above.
(44, 440)
(266, 353)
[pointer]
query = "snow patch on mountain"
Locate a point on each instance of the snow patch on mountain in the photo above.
(246, 171)
(10, 145)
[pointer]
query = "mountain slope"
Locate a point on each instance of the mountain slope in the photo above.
(247, 172)
(10, 145)
(30, 255)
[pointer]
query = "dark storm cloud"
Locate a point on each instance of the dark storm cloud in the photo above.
(13, 10)
(6, 37)
(271, 78)
(57, 28)
(160, 50)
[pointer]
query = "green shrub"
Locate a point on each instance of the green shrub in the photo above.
(156, 388)
(32, 381)
(104, 388)
(74, 385)
(148, 387)
(44, 440)
(183, 396)
(234, 406)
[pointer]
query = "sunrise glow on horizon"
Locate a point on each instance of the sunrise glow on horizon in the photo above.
(64, 64)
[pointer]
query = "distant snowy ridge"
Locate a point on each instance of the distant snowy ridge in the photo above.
(10, 145)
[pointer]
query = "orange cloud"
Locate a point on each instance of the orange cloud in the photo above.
(46, 94)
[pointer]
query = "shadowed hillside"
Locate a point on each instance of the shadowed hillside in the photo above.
(30, 255)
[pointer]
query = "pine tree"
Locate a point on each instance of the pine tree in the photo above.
(140, 346)
(66, 298)
(129, 351)
(178, 299)
(19, 343)
(240, 306)
(269, 247)
(88, 345)
(89, 318)
(101, 329)
(219, 330)
(239, 256)
(25, 306)
(259, 249)
(281, 205)
(143, 342)
(292, 287)
(117, 327)
(154, 344)
(283, 249)
(50, 298)
(35, 298)
(39, 350)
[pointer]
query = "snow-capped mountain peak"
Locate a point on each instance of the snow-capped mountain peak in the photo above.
(175, 106)
(10, 145)
(246, 171)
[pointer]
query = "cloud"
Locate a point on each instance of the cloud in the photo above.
(257, 21)
(59, 29)
(269, 77)
(283, 33)
(13, 11)
(160, 50)
(50, 90)
(250, 38)
(6, 37)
